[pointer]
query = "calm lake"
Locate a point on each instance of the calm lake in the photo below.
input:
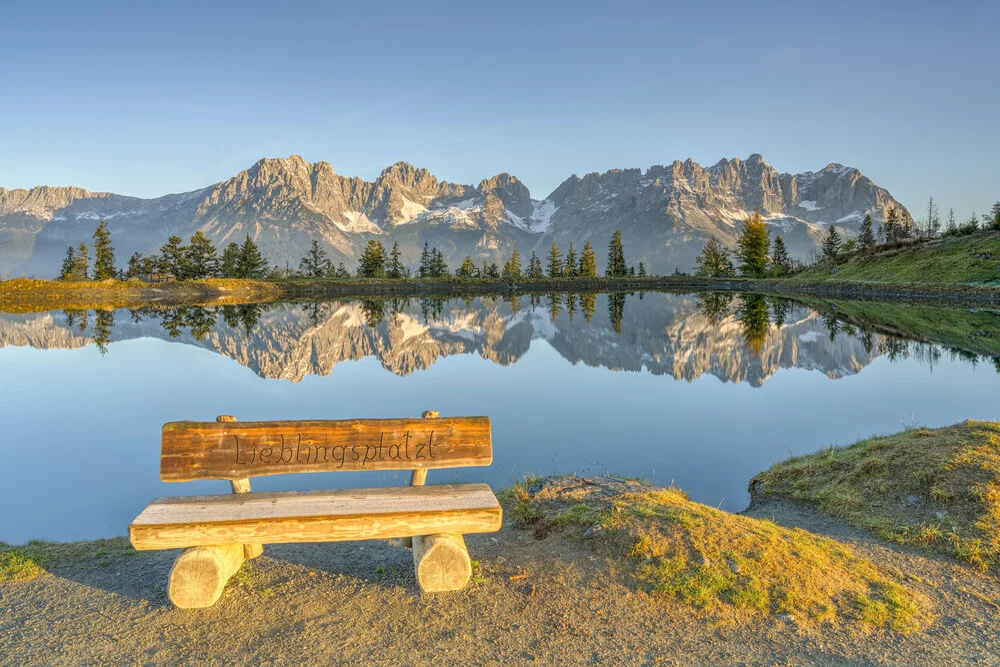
(702, 390)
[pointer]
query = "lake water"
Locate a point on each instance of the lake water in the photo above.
(701, 390)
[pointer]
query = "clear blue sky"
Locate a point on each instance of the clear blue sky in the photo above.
(146, 98)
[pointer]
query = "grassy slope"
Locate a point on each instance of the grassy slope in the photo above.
(714, 560)
(936, 487)
(967, 260)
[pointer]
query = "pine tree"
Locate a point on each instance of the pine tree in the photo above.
(396, 269)
(81, 263)
(135, 265)
(555, 262)
(315, 264)
(571, 269)
(512, 269)
(588, 261)
(995, 217)
(201, 260)
(172, 258)
(714, 261)
(535, 266)
(831, 244)
(251, 263)
(68, 264)
(781, 263)
(229, 264)
(425, 262)
(752, 247)
(372, 262)
(616, 257)
(866, 237)
(642, 270)
(467, 270)
(104, 253)
(951, 225)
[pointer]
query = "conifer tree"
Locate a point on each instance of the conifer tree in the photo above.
(752, 247)
(535, 266)
(438, 267)
(642, 270)
(571, 269)
(315, 264)
(372, 262)
(831, 244)
(229, 264)
(81, 263)
(512, 269)
(890, 228)
(201, 259)
(951, 225)
(492, 271)
(104, 253)
(588, 262)
(172, 257)
(714, 261)
(468, 269)
(616, 257)
(251, 263)
(866, 237)
(68, 264)
(135, 265)
(396, 269)
(781, 263)
(933, 220)
(555, 262)
(995, 217)
(425, 262)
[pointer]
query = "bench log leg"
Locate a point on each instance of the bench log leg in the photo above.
(442, 562)
(200, 574)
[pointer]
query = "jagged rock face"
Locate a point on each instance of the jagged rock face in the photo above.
(664, 334)
(665, 213)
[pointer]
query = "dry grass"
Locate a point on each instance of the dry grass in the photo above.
(34, 558)
(714, 560)
(935, 487)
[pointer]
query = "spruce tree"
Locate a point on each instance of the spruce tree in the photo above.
(68, 264)
(396, 269)
(642, 270)
(372, 262)
(752, 247)
(104, 253)
(468, 269)
(201, 259)
(512, 269)
(588, 262)
(933, 220)
(438, 267)
(492, 271)
(781, 263)
(229, 264)
(951, 226)
(535, 266)
(315, 264)
(425, 262)
(572, 269)
(866, 237)
(891, 225)
(616, 257)
(172, 258)
(81, 263)
(714, 261)
(995, 217)
(135, 265)
(251, 263)
(831, 244)
(555, 262)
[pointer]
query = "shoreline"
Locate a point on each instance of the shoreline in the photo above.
(24, 295)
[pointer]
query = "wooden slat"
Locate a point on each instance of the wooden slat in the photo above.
(238, 450)
(316, 516)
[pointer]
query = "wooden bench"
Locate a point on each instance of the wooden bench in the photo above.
(219, 532)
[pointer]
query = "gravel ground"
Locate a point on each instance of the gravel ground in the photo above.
(549, 601)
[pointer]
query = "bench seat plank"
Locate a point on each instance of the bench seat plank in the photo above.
(316, 516)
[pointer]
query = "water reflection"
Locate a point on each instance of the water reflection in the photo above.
(733, 336)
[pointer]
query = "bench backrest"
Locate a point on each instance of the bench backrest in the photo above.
(238, 450)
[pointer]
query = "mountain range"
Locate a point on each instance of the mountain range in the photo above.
(665, 213)
(662, 334)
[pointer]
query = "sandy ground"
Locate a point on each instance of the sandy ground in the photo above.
(549, 601)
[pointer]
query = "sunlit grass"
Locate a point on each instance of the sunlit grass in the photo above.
(933, 487)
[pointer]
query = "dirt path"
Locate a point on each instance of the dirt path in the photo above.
(358, 603)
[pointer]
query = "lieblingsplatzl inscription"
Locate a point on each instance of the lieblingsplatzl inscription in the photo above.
(306, 451)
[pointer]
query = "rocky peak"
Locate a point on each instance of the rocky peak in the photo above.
(511, 192)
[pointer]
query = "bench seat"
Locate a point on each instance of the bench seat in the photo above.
(316, 516)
